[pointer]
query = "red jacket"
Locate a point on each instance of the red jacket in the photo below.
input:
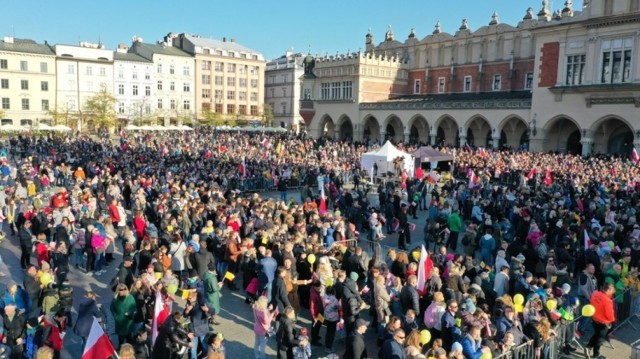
(114, 214)
(315, 303)
(604, 308)
(42, 253)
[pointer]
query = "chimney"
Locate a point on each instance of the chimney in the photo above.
(224, 39)
(233, 40)
(8, 39)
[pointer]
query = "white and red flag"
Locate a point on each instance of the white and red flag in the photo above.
(634, 156)
(425, 265)
(532, 173)
(160, 314)
(98, 343)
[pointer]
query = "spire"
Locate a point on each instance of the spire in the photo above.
(369, 38)
(494, 19)
(437, 29)
(389, 35)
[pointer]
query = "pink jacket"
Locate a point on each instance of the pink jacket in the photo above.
(97, 241)
(262, 319)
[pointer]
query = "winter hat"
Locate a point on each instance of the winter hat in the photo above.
(456, 346)
(566, 288)
(354, 276)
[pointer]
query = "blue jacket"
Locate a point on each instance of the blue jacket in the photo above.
(392, 350)
(20, 299)
(268, 266)
(470, 348)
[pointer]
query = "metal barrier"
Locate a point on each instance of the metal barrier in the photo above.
(627, 310)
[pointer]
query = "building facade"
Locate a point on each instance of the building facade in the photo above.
(82, 71)
(229, 78)
(282, 90)
(566, 80)
(133, 88)
(172, 97)
(27, 81)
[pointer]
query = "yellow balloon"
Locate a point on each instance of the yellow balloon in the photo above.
(425, 337)
(588, 310)
(518, 299)
(311, 258)
(157, 275)
(519, 308)
(552, 304)
(486, 355)
(328, 282)
(416, 255)
(172, 288)
(46, 278)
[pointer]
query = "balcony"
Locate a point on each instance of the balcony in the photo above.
(306, 105)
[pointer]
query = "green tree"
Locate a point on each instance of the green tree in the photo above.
(101, 108)
(63, 115)
(211, 118)
(267, 115)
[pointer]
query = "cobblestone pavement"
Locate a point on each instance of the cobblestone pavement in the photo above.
(236, 319)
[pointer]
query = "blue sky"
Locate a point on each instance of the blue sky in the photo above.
(270, 27)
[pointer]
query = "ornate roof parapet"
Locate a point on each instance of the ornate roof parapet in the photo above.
(545, 13)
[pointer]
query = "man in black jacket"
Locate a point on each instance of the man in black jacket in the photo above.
(14, 330)
(26, 244)
(125, 274)
(356, 349)
(279, 297)
(32, 287)
(170, 337)
(203, 258)
(409, 298)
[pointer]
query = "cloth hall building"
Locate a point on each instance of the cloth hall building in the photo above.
(565, 80)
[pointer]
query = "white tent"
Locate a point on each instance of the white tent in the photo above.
(61, 128)
(384, 158)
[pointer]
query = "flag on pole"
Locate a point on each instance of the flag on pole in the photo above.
(532, 173)
(160, 313)
(634, 156)
(265, 142)
(472, 178)
(433, 177)
(242, 168)
(587, 240)
(424, 271)
(547, 178)
(323, 202)
(98, 343)
(482, 152)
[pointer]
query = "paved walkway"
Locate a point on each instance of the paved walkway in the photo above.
(236, 318)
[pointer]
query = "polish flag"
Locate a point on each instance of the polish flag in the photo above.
(98, 343)
(243, 167)
(424, 271)
(547, 178)
(160, 313)
(634, 156)
(532, 173)
(472, 178)
(433, 177)
(482, 152)
(323, 202)
(265, 142)
(587, 240)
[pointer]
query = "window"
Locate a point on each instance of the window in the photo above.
(254, 110)
(616, 61)
(231, 81)
(147, 90)
(159, 68)
(271, 79)
(218, 66)
(254, 83)
(206, 107)
(272, 92)
(231, 67)
(44, 67)
(3, 65)
(307, 94)
(24, 66)
(120, 107)
(147, 76)
(89, 70)
(218, 94)
(45, 105)
(186, 87)
(121, 89)
(103, 71)
(160, 104)
(416, 86)
(218, 80)
(160, 85)
(231, 95)
(4, 83)
(206, 65)
(497, 82)
(147, 109)
(206, 93)
(172, 86)
(231, 108)
(134, 75)
(254, 96)
(441, 84)
(135, 90)
(528, 80)
(242, 95)
(284, 92)
(467, 84)
(5, 103)
(242, 109)
(325, 91)
(71, 105)
(254, 70)
(24, 84)
(172, 69)
(71, 69)
(206, 79)
(186, 70)
(120, 74)
(89, 86)
(25, 103)
(242, 70)
(283, 108)
(575, 69)
(173, 104)
(186, 105)
(218, 108)
(44, 85)
(242, 82)
(232, 54)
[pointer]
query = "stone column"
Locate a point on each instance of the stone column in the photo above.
(496, 140)
(463, 139)
(383, 136)
(406, 137)
(433, 139)
(587, 144)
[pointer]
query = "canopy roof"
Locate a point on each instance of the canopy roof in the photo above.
(430, 154)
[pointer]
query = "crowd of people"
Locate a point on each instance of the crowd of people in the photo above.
(513, 250)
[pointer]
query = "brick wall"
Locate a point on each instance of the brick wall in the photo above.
(549, 57)
(372, 91)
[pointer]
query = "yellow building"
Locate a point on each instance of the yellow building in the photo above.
(27, 81)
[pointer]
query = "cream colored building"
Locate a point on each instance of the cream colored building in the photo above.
(282, 90)
(27, 81)
(173, 94)
(229, 78)
(134, 88)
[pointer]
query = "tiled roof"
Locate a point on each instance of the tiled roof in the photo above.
(26, 45)
(159, 49)
(219, 45)
(119, 56)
